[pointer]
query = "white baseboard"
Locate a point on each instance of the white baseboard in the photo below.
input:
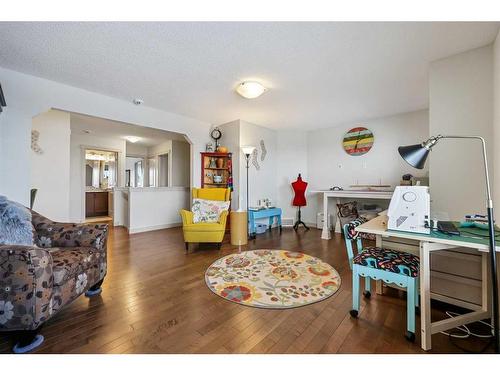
(153, 227)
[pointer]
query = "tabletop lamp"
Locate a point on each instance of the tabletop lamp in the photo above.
(247, 151)
(416, 155)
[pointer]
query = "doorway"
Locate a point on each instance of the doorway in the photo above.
(100, 171)
(163, 174)
(134, 171)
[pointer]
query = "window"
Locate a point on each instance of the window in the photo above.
(139, 174)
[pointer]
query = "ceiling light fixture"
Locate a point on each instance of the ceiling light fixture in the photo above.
(132, 139)
(138, 101)
(250, 89)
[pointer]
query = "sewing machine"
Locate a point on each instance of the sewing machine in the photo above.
(409, 209)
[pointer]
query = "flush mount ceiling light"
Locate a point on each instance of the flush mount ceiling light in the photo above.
(132, 139)
(250, 89)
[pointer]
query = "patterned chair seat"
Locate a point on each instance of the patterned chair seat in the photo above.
(388, 260)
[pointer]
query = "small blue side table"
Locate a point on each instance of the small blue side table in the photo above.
(271, 213)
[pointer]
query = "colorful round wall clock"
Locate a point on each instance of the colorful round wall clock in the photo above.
(358, 141)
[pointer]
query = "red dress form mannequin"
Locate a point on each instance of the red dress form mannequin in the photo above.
(299, 200)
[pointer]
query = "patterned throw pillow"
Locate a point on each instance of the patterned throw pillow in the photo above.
(207, 211)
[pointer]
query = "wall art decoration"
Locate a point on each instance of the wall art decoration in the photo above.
(35, 136)
(358, 141)
(263, 150)
(255, 161)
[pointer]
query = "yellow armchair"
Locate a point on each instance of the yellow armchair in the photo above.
(205, 232)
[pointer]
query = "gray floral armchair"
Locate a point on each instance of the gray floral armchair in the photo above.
(66, 261)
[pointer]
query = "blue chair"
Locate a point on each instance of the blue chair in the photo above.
(390, 266)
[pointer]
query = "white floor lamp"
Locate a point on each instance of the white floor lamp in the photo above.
(247, 151)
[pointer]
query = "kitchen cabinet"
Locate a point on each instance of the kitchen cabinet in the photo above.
(96, 203)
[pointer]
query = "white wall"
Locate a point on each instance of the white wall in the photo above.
(50, 170)
(291, 159)
(167, 203)
(159, 149)
(329, 165)
(496, 124)
(134, 149)
(231, 140)
(29, 96)
(461, 103)
(496, 134)
(79, 141)
(181, 154)
(317, 155)
(263, 182)
(15, 157)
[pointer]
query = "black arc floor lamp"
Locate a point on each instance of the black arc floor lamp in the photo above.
(416, 155)
(247, 151)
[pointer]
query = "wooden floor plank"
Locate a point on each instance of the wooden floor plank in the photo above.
(155, 300)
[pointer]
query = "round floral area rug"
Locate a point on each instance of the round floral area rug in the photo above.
(274, 279)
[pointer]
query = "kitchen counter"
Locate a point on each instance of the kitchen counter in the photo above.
(90, 189)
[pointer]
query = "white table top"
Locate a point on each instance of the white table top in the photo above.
(371, 194)
(378, 226)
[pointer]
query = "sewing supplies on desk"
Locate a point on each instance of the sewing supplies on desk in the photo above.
(473, 224)
(466, 229)
(477, 218)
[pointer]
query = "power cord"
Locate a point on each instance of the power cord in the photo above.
(464, 328)
(467, 332)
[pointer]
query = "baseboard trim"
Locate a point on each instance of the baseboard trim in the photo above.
(153, 227)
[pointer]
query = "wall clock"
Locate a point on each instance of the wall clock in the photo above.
(358, 141)
(216, 134)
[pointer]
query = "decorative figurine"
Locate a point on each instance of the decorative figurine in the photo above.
(213, 163)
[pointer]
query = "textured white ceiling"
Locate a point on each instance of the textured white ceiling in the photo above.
(108, 128)
(318, 74)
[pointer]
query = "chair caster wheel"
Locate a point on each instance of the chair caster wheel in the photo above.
(91, 293)
(37, 341)
(417, 310)
(367, 294)
(354, 313)
(410, 336)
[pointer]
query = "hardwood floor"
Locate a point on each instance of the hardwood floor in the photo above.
(155, 300)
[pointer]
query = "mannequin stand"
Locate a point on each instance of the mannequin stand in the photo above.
(298, 222)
